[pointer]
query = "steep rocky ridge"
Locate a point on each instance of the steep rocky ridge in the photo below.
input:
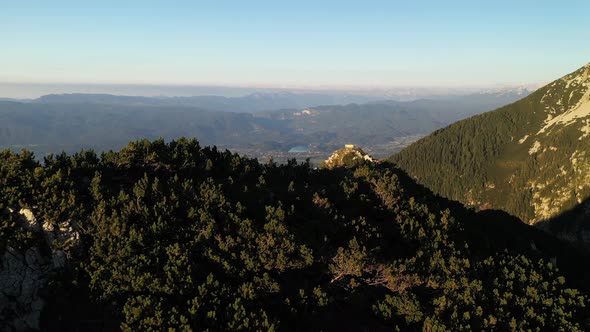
(530, 158)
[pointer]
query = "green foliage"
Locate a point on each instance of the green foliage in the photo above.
(179, 237)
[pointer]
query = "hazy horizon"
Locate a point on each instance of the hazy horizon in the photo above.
(10, 90)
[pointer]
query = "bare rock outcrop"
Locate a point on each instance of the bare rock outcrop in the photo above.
(22, 275)
(24, 272)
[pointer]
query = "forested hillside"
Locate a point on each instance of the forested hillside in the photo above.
(528, 158)
(56, 123)
(177, 236)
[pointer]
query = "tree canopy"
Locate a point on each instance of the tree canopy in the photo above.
(183, 237)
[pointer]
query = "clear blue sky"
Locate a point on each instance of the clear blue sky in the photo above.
(293, 43)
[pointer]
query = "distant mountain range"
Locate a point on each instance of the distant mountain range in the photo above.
(259, 122)
(530, 158)
(270, 101)
(251, 103)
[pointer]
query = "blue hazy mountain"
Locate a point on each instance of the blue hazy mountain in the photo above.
(261, 121)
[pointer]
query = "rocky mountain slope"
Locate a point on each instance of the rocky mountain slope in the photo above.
(530, 158)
